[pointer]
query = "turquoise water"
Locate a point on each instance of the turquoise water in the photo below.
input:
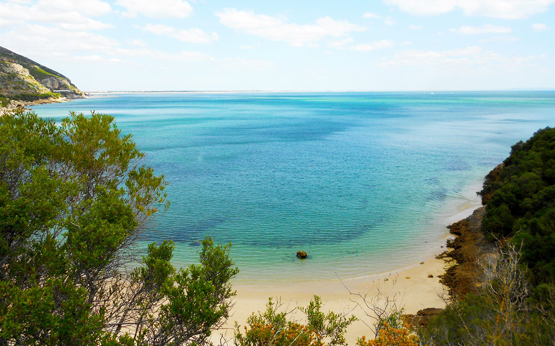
(361, 181)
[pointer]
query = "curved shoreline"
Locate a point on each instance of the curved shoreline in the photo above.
(412, 285)
(458, 208)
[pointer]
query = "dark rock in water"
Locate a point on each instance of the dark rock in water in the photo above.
(301, 254)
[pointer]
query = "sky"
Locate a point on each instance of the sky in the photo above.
(323, 45)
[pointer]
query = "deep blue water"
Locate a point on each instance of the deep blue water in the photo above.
(361, 181)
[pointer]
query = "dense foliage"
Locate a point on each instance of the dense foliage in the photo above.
(520, 203)
(74, 200)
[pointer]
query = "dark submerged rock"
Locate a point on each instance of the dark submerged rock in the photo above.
(302, 254)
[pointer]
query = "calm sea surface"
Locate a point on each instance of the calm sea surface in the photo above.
(363, 182)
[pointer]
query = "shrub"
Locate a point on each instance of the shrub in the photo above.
(273, 328)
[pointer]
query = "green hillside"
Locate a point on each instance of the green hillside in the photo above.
(22, 79)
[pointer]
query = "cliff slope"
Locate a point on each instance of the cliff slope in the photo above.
(23, 79)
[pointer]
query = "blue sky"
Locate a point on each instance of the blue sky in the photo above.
(376, 45)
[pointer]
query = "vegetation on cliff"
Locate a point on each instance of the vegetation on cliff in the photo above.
(520, 204)
(74, 200)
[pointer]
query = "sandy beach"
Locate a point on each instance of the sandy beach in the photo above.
(412, 288)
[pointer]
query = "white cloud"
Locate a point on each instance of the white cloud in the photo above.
(539, 27)
(484, 29)
(501, 39)
(250, 46)
(366, 47)
(184, 56)
(424, 7)
(85, 24)
(470, 56)
(194, 56)
(44, 41)
(138, 43)
(277, 29)
(510, 9)
(246, 64)
(84, 7)
(339, 44)
(193, 35)
(20, 1)
(468, 51)
(156, 8)
(160, 29)
(336, 28)
(415, 27)
(371, 15)
(247, 20)
(98, 58)
(405, 43)
(67, 14)
(389, 21)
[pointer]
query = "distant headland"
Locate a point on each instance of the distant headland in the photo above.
(26, 82)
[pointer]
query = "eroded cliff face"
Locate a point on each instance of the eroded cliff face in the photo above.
(23, 79)
(16, 79)
(63, 86)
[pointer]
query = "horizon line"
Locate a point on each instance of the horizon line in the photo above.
(308, 91)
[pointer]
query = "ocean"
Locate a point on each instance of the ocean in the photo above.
(364, 182)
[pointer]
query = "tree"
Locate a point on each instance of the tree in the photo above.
(74, 199)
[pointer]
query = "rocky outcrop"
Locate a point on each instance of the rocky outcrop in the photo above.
(469, 246)
(16, 79)
(62, 86)
(422, 318)
(54, 83)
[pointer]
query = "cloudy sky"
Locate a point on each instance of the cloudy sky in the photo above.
(288, 45)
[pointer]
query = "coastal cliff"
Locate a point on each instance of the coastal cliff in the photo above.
(24, 81)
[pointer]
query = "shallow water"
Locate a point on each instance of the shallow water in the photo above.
(361, 181)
